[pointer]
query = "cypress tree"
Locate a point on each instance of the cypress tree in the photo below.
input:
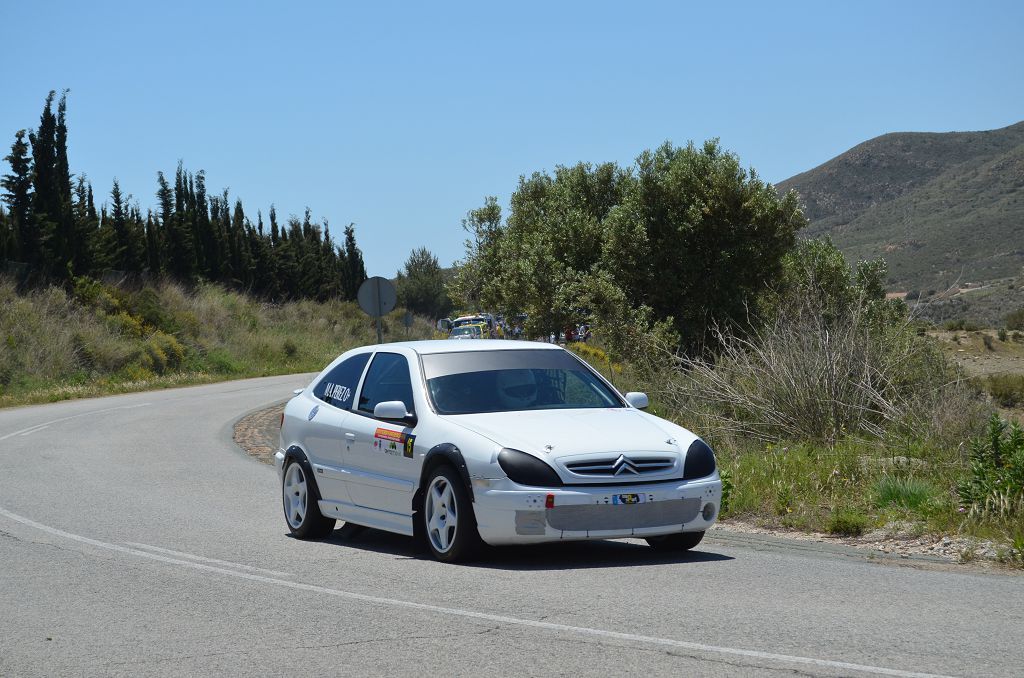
(207, 240)
(18, 195)
(152, 245)
(329, 265)
(194, 228)
(69, 250)
(5, 237)
(224, 233)
(45, 198)
(311, 263)
(127, 249)
(236, 237)
(179, 248)
(118, 227)
(103, 239)
(355, 270)
(137, 236)
(274, 233)
(86, 228)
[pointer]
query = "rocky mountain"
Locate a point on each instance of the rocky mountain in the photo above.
(943, 209)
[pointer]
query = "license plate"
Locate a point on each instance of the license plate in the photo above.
(629, 498)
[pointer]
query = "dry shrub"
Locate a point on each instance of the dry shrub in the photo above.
(806, 375)
(38, 335)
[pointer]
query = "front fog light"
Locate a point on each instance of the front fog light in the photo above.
(709, 512)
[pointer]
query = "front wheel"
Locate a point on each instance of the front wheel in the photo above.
(448, 521)
(300, 508)
(682, 541)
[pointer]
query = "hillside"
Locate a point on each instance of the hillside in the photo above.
(940, 208)
(100, 339)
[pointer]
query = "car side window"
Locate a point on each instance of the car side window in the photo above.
(339, 385)
(387, 379)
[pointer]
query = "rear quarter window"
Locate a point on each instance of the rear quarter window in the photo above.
(339, 385)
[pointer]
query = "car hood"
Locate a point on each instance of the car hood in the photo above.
(562, 433)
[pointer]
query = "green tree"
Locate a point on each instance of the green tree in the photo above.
(681, 241)
(44, 197)
(17, 195)
(353, 268)
(817, 269)
(275, 236)
(70, 251)
(469, 285)
(421, 287)
(6, 238)
(154, 250)
(86, 228)
(128, 247)
(179, 253)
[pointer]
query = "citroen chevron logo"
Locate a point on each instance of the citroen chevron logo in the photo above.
(623, 464)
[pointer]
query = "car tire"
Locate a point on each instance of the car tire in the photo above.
(446, 517)
(299, 500)
(682, 541)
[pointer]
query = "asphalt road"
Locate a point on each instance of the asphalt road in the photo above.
(137, 539)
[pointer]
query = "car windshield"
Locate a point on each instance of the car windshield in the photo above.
(466, 329)
(474, 382)
(474, 320)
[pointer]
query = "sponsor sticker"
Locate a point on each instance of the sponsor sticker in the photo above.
(337, 392)
(395, 442)
(388, 434)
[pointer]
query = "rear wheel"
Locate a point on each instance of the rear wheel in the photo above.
(448, 521)
(299, 498)
(682, 541)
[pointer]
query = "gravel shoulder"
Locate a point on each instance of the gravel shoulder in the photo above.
(257, 433)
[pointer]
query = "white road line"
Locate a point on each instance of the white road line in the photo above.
(192, 556)
(32, 429)
(35, 430)
(470, 614)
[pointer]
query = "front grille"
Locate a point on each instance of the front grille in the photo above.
(621, 466)
(594, 517)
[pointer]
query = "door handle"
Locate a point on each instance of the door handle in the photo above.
(350, 436)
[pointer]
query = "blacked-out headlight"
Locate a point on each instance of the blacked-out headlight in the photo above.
(700, 461)
(526, 469)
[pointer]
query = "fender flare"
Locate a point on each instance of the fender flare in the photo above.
(297, 455)
(441, 454)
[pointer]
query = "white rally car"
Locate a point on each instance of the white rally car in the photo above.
(508, 442)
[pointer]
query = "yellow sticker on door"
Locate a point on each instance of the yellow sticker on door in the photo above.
(389, 441)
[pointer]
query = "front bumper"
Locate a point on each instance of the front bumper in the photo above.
(507, 513)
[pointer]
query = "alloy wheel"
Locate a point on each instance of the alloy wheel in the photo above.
(442, 514)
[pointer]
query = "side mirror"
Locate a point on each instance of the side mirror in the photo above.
(391, 409)
(637, 400)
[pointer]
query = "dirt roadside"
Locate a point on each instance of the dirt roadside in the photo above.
(257, 434)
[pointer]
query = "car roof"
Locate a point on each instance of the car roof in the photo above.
(444, 346)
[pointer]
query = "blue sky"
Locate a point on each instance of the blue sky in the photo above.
(400, 117)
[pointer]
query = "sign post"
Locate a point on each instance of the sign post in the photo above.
(377, 298)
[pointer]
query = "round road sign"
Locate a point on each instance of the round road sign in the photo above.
(377, 296)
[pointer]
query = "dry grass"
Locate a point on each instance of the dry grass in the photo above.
(805, 377)
(101, 340)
